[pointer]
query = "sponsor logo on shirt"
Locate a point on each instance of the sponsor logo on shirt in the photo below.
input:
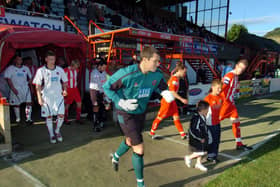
(54, 79)
(20, 74)
(144, 92)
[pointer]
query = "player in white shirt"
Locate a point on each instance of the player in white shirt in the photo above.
(50, 92)
(99, 101)
(18, 78)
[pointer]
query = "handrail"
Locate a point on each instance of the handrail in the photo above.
(89, 26)
(75, 26)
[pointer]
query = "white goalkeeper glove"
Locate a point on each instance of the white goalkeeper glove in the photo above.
(128, 105)
(167, 95)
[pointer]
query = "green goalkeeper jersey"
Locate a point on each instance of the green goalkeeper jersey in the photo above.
(131, 83)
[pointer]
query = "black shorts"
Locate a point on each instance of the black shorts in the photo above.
(132, 126)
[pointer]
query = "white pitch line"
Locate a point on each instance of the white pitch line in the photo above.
(266, 139)
(179, 142)
(169, 139)
(230, 156)
(30, 178)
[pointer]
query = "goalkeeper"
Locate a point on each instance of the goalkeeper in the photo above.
(130, 89)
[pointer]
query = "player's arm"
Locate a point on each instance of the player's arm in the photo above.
(209, 113)
(64, 82)
(93, 89)
(38, 93)
(37, 81)
(112, 89)
(226, 86)
(7, 76)
(177, 96)
(162, 89)
(64, 87)
(29, 79)
(11, 85)
(194, 130)
(113, 86)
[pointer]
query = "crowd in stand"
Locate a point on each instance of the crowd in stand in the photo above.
(10, 3)
(159, 20)
(42, 6)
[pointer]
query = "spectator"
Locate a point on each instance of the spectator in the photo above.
(116, 19)
(227, 68)
(201, 74)
(134, 60)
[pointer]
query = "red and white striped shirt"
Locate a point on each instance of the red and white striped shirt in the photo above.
(72, 77)
(230, 82)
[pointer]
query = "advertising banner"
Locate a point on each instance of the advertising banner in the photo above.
(260, 87)
(32, 21)
(246, 89)
(198, 92)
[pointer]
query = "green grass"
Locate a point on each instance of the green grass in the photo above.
(259, 168)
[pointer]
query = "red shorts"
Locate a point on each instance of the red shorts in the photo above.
(228, 110)
(73, 94)
(168, 109)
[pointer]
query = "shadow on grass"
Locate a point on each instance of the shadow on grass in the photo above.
(211, 172)
(253, 136)
(271, 120)
(262, 150)
(168, 160)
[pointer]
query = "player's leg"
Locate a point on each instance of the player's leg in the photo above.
(101, 113)
(213, 148)
(177, 122)
(199, 165)
(236, 129)
(28, 108)
(60, 119)
(15, 103)
(155, 124)
(66, 121)
(126, 143)
(78, 101)
(160, 116)
(59, 122)
(137, 145)
(49, 124)
(78, 112)
(95, 123)
(69, 99)
(138, 163)
(188, 158)
(28, 112)
(122, 149)
(17, 112)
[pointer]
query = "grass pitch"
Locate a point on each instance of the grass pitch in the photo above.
(83, 157)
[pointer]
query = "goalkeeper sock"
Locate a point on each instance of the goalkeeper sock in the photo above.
(123, 148)
(138, 165)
